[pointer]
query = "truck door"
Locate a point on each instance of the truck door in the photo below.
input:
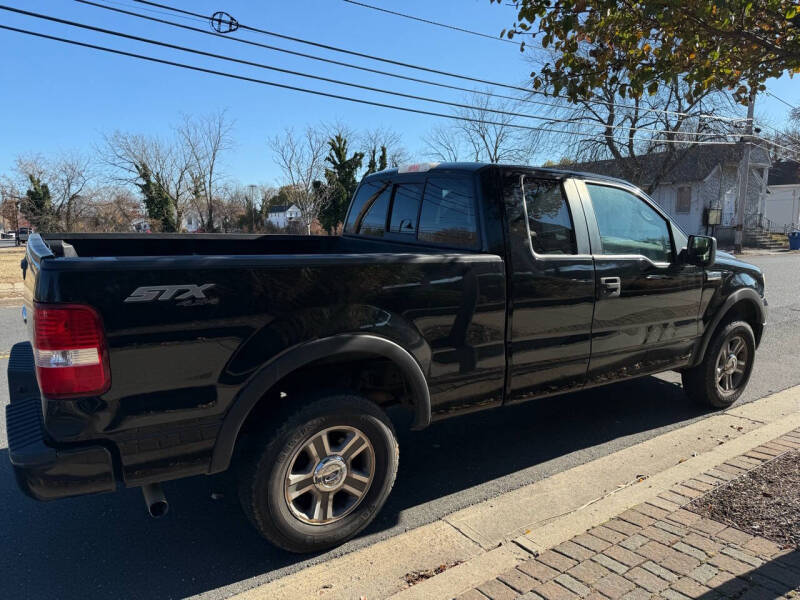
(648, 302)
(551, 296)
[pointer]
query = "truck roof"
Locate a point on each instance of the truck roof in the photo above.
(477, 166)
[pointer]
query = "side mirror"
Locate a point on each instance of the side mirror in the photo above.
(701, 250)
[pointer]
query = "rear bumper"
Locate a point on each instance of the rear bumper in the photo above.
(43, 471)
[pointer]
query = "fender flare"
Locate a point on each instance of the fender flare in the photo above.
(745, 294)
(307, 353)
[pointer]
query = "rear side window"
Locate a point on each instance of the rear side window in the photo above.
(448, 212)
(549, 220)
(368, 211)
(405, 208)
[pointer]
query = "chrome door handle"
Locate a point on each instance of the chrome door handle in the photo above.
(610, 287)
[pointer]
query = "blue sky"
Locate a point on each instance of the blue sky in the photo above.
(61, 98)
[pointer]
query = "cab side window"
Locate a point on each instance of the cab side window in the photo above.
(405, 208)
(368, 211)
(448, 212)
(549, 219)
(628, 225)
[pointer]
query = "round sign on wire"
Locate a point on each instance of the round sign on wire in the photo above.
(222, 22)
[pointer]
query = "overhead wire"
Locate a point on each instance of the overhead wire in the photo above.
(420, 67)
(319, 92)
(779, 99)
(430, 21)
(354, 85)
(326, 60)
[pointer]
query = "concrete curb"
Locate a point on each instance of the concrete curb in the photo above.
(495, 535)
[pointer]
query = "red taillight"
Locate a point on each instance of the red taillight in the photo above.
(70, 351)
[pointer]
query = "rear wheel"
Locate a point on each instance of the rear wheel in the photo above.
(322, 475)
(721, 378)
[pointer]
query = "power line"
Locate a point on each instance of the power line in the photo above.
(317, 92)
(430, 22)
(778, 98)
(340, 82)
(491, 94)
(160, 12)
(776, 144)
(778, 131)
(326, 60)
(422, 68)
(395, 75)
(341, 50)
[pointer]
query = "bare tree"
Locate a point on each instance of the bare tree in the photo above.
(374, 141)
(444, 143)
(133, 157)
(786, 139)
(301, 159)
(664, 124)
(115, 209)
(71, 179)
(205, 140)
(668, 121)
(10, 197)
(484, 132)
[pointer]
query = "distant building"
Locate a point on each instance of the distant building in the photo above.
(707, 177)
(140, 225)
(782, 204)
(191, 221)
(282, 215)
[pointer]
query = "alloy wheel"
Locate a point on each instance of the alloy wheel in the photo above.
(731, 367)
(329, 475)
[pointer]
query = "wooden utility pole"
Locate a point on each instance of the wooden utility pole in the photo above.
(744, 175)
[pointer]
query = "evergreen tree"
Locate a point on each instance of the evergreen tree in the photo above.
(372, 165)
(156, 200)
(383, 163)
(37, 206)
(340, 182)
(376, 164)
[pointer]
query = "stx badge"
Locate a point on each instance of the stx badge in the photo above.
(169, 292)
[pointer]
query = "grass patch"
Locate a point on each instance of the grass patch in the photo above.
(10, 271)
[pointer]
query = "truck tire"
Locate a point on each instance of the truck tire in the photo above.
(321, 474)
(722, 376)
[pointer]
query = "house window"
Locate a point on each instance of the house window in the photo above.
(684, 202)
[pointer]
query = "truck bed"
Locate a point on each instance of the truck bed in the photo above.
(191, 320)
(209, 244)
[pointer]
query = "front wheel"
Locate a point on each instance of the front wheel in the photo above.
(322, 475)
(721, 378)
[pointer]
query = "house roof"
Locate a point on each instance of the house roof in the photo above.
(696, 164)
(278, 208)
(785, 172)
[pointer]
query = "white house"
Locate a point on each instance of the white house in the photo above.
(191, 221)
(782, 201)
(281, 215)
(707, 177)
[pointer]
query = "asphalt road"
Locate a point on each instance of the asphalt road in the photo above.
(106, 546)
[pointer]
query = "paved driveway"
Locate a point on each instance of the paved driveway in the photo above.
(105, 546)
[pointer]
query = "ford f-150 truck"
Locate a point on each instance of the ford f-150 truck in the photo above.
(453, 288)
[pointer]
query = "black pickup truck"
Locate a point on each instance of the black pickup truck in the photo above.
(454, 288)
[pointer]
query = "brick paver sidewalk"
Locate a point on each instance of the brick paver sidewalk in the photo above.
(660, 550)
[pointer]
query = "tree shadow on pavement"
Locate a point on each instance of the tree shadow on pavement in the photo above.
(106, 546)
(774, 579)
